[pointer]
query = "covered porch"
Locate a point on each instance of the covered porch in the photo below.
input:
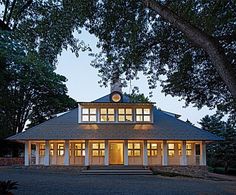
(115, 152)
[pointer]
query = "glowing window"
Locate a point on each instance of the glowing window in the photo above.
(41, 149)
(60, 149)
(79, 149)
(188, 149)
(143, 114)
(116, 97)
(125, 114)
(134, 149)
(51, 150)
(152, 149)
(180, 149)
(98, 149)
(89, 114)
(171, 149)
(107, 114)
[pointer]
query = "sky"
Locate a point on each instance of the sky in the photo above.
(83, 84)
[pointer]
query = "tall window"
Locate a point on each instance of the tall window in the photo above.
(41, 149)
(60, 149)
(143, 114)
(125, 114)
(134, 149)
(51, 150)
(98, 149)
(152, 149)
(188, 149)
(80, 149)
(171, 149)
(89, 114)
(180, 149)
(107, 114)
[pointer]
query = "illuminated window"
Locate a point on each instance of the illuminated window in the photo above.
(51, 150)
(180, 149)
(60, 149)
(89, 114)
(134, 149)
(188, 149)
(125, 114)
(152, 149)
(41, 149)
(80, 149)
(143, 114)
(107, 114)
(171, 149)
(98, 149)
(116, 97)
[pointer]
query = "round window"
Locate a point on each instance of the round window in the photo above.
(116, 97)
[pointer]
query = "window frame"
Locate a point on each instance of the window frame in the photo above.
(125, 115)
(89, 115)
(42, 149)
(100, 150)
(189, 150)
(132, 150)
(172, 150)
(143, 115)
(152, 152)
(107, 115)
(60, 148)
(80, 150)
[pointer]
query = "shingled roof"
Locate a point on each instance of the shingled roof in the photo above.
(66, 127)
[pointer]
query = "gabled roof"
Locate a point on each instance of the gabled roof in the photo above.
(66, 127)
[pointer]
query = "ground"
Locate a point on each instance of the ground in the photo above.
(40, 181)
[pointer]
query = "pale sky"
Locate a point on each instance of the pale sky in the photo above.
(83, 84)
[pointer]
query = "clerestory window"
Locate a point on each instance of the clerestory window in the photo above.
(107, 114)
(89, 114)
(143, 114)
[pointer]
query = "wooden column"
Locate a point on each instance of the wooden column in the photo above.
(47, 150)
(184, 157)
(165, 153)
(106, 160)
(67, 153)
(86, 159)
(37, 154)
(27, 153)
(145, 156)
(203, 153)
(126, 157)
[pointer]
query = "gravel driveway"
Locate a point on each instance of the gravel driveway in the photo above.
(70, 182)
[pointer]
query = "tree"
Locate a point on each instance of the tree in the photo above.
(135, 96)
(30, 89)
(221, 153)
(191, 43)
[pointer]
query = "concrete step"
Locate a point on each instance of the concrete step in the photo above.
(117, 172)
(117, 167)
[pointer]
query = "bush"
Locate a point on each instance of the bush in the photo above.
(7, 186)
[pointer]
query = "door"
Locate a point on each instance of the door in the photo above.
(116, 154)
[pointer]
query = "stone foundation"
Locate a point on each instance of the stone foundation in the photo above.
(192, 171)
(11, 161)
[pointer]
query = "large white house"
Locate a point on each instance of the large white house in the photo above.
(114, 131)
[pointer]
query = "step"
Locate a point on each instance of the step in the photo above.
(117, 167)
(117, 172)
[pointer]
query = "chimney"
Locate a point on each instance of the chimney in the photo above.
(116, 86)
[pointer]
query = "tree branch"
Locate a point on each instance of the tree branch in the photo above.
(203, 40)
(5, 11)
(11, 11)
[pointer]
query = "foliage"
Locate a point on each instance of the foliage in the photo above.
(136, 97)
(7, 186)
(30, 89)
(135, 39)
(222, 153)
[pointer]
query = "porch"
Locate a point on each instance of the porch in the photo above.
(115, 152)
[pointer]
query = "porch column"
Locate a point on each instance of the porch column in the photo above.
(203, 153)
(46, 157)
(37, 154)
(184, 158)
(27, 153)
(106, 160)
(145, 156)
(67, 153)
(86, 159)
(126, 158)
(165, 154)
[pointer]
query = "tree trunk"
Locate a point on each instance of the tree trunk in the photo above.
(211, 46)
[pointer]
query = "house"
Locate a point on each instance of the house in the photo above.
(112, 130)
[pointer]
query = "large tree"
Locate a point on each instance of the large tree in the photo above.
(29, 89)
(221, 153)
(189, 46)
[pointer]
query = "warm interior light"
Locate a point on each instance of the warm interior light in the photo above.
(116, 97)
